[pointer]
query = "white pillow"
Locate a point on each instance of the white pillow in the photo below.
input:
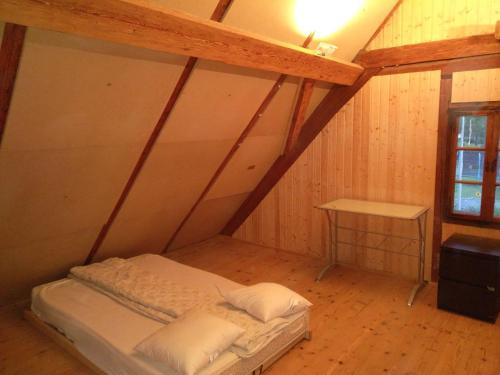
(267, 301)
(191, 342)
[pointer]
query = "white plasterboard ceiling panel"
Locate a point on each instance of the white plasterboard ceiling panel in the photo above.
(275, 120)
(46, 193)
(142, 234)
(319, 92)
(217, 103)
(175, 174)
(248, 166)
(74, 92)
(42, 261)
(209, 219)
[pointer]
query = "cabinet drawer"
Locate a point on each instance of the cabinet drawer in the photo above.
(478, 302)
(469, 269)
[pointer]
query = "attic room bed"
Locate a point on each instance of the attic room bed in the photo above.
(106, 332)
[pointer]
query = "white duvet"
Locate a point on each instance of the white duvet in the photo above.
(162, 299)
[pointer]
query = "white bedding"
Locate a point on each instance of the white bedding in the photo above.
(106, 332)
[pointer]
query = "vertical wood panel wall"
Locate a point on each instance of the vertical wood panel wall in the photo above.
(381, 146)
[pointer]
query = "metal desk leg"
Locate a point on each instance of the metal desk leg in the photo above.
(421, 263)
(332, 253)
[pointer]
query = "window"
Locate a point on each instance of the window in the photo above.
(474, 171)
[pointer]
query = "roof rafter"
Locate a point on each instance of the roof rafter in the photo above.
(299, 112)
(10, 55)
(217, 15)
(244, 134)
(152, 25)
(336, 98)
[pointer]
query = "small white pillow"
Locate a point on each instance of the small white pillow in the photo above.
(267, 301)
(191, 342)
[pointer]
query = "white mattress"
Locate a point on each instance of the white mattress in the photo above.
(106, 332)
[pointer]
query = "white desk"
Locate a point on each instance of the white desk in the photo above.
(388, 210)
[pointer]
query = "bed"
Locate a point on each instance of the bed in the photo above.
(105, 331)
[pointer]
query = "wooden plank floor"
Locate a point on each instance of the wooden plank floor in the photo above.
(360, 321)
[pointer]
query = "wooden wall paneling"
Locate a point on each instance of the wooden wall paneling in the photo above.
(10, 55)
(157, 27)
(372, 149)
(446, 19)
(414, 21)
(217, 15)
(476, 86)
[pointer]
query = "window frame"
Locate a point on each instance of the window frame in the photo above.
(486, 217)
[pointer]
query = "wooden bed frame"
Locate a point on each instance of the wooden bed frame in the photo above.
(69, 347)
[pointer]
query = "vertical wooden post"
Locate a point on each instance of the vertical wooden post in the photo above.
(439, 192)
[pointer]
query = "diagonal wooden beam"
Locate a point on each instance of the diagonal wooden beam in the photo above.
(299, 112)
(217, 15)
(244, 134)
(10, 55)
(476, 45)
(336, 98)
(150, 24)
(318, 119)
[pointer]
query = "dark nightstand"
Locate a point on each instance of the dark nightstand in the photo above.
(469, 276)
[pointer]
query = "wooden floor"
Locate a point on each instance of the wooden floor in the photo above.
(360, 321)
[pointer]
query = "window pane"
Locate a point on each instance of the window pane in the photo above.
(471, 131)
(470, 166)
(497, 201)
(498, 167)
(467, 199)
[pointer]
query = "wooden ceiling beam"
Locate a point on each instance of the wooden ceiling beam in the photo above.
(217, 16)
(477, 45)
(336, 98)
(10, 55)
(448, 66)
(149, 24)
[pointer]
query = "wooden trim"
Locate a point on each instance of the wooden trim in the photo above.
(217, 15)
(474, 106)
(244, 134)
(477, 45)
(439, 191)
(61, 340)
(299, 112)
(152, 25)
(448, 66)
(336, 98)
(10, 55)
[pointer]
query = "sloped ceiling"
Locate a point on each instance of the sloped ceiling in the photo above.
(81, 113)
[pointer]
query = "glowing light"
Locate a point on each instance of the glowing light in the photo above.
(324, 16)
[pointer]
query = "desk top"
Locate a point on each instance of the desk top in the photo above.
(393, 210)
